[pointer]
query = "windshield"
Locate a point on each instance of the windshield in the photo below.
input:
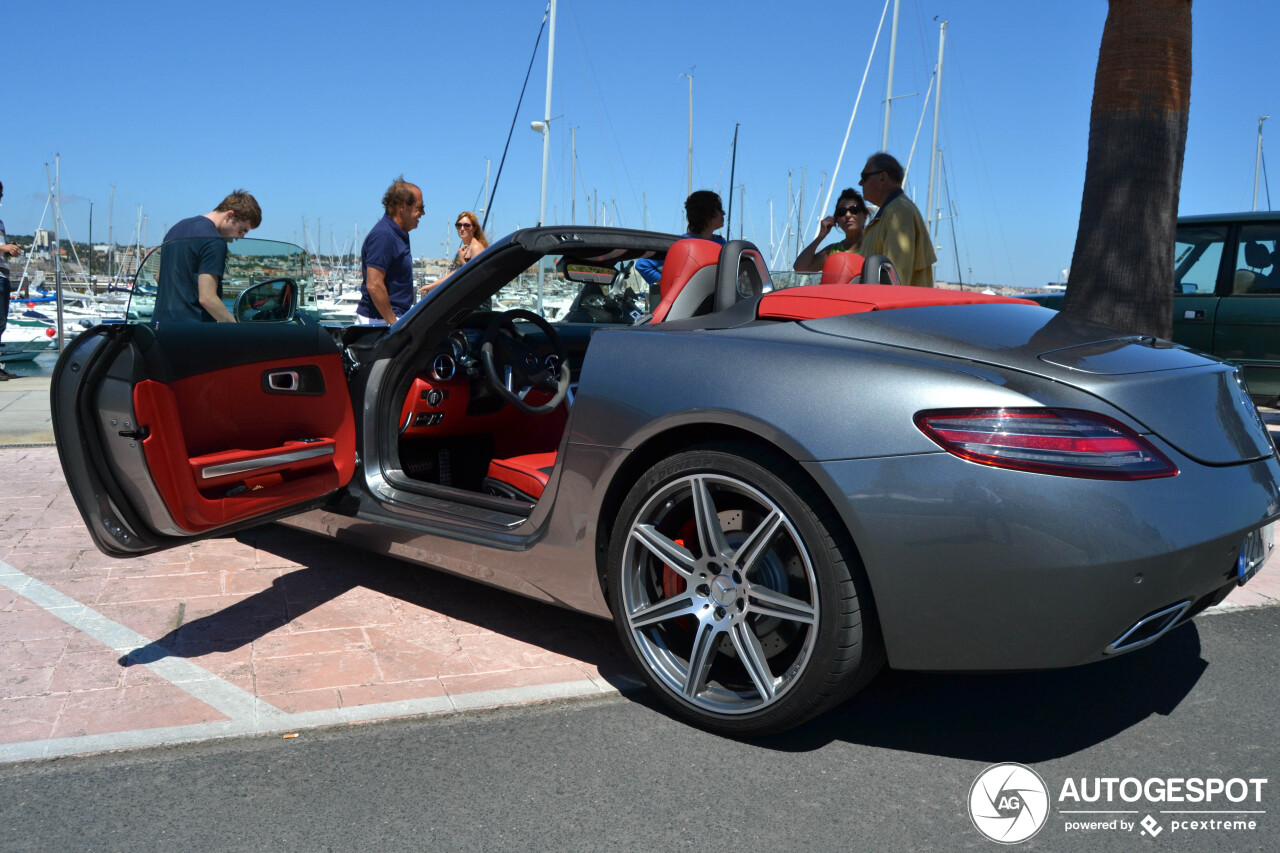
(248, 261)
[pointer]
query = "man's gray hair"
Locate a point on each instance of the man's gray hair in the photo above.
(889, 164)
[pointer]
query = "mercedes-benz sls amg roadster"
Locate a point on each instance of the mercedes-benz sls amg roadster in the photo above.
(771, 491)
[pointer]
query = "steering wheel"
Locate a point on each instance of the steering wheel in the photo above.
(504, 349)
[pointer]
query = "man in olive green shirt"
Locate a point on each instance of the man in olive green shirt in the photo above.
(897, 230)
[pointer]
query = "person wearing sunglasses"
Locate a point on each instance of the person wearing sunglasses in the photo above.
(473, 240)
(472, 237)
(851, 216)
(897, 230)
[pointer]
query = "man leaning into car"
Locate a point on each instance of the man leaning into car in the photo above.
(190, 282)
(387, 290)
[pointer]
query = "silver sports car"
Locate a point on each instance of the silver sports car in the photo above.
(772, 492)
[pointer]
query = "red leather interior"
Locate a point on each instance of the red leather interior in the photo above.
(457, 394)
(224, 416)
(832, 300)
(528, 473)
(841, 268)
(684, 259)
(514, 432)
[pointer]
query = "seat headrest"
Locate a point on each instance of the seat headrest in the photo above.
(1257, 255)
(683, 261)
(841, 268)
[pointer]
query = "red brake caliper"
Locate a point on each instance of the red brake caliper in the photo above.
(672, 583)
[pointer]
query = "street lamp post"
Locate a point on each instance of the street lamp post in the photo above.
(544, 127)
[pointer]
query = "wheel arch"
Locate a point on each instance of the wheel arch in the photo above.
(712, 435)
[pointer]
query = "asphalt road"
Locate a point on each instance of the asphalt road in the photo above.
(889, 771)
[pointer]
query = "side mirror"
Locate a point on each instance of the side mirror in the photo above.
(271, 301)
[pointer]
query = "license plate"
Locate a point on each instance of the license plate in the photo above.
(1254, 551)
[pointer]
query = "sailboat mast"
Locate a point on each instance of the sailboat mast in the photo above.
(57, 242)
(546, 139)
(1257, 163)
(742, 201)
(786, 217)
(690, 76)
(888, 92)
(111, 242)
(933, 156)
(800, 212)
(733, 163)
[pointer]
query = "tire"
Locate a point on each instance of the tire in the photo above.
(769, 603)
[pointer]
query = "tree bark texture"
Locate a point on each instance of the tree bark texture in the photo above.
(1122, 267)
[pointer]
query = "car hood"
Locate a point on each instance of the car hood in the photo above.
(1193, 401)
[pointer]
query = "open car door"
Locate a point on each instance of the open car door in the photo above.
(175, 431)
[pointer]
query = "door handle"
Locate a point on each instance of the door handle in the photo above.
(283, 380)
(1197, 314)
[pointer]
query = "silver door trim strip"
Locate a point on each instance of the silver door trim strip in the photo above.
(261, 462)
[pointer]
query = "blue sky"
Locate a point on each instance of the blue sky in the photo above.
(315, 106)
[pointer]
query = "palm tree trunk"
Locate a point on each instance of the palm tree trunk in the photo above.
(1122, 268)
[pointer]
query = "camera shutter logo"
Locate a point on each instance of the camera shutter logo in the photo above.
(1008, 803)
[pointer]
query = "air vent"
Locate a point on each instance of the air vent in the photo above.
(444, 367)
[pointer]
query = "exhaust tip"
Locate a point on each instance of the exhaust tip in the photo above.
(1148, 629)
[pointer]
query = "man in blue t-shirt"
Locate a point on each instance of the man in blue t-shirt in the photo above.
(385, 259)
(190, 281)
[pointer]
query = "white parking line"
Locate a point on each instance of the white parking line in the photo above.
(247, 713)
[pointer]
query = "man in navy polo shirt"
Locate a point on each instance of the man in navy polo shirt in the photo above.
(190, 280)
(385, 259)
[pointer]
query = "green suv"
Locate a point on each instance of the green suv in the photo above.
(1226, 289)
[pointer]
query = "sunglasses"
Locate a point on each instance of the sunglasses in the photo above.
(463, 225)
(865, 175)
(841, 211)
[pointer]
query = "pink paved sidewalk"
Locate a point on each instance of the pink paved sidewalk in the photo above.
(271, 630)
(299, 622)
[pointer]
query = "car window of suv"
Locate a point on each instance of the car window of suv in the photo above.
(1257, 259)
(1197, 256)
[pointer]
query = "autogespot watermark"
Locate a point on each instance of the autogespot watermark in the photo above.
(1010, 803)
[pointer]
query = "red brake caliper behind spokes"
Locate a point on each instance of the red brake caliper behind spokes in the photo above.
(672, 583)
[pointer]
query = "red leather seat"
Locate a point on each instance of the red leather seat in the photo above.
(688, 279)
(520, 477)
(842, 268)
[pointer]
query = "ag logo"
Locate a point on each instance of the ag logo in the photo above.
(1008, 803)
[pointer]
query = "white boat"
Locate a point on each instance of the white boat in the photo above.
(339, 309)
(24, 343)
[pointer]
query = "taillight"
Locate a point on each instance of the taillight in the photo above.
(1066, 442)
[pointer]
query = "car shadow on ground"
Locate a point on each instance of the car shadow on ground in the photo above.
(1026, 717)
(330, 569)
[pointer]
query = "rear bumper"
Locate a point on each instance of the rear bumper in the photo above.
(977, 568)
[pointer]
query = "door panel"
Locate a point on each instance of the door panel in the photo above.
(179, 432)
(1247, 331)
(1197, 262)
